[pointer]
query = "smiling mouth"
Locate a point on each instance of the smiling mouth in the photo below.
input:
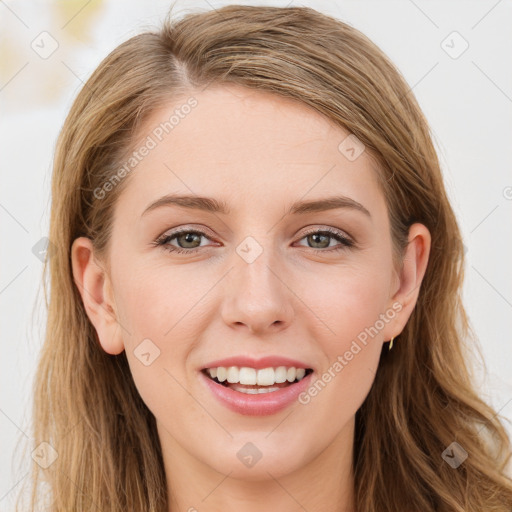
(255, 388)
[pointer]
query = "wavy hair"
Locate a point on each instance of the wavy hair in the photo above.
(86, 405)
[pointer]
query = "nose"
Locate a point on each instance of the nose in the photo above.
(257, 298)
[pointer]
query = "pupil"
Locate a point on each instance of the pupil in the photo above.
(316, 236)
(189, 237)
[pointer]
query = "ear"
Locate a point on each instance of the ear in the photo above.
(410, 277)
(95, 288)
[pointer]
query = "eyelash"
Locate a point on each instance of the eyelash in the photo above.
(164, 240)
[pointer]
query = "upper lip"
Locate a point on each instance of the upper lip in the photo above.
(263, 362)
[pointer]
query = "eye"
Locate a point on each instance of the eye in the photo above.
(187, 237)
(321, 237)
(190, 240)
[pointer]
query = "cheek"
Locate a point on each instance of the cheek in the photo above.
(162, 315)
(162, 330)
(347, 300)
(158, 301)
(352, 309)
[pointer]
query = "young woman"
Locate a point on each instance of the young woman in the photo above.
(255, 287)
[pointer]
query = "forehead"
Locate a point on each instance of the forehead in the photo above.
(236, 143)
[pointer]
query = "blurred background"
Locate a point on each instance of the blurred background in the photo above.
(455, 56)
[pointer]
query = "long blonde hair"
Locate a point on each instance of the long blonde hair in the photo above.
(86, 405)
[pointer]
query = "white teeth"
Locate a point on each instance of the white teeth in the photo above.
(247, 376)
(266, 377)
(233, 374)
(280, 374)
(221, 373)
(261, 377)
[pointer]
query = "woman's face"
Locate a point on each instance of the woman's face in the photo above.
(256, 282)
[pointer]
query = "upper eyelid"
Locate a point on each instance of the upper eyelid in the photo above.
(177, 231)
(331, 231)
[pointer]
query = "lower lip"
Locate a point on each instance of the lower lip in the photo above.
(257, 405)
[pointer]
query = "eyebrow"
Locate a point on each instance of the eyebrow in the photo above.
(212, 205)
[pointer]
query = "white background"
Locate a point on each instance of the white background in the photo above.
(467, 101)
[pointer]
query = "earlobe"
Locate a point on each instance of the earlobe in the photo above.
(93, 283)
(413, 270)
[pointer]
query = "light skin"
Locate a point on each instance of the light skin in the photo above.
(259, 153)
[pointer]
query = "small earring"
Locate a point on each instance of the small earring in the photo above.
(391, 343)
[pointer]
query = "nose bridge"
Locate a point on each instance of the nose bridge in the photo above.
(257, 296)
(256, 267)
(257, 260)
